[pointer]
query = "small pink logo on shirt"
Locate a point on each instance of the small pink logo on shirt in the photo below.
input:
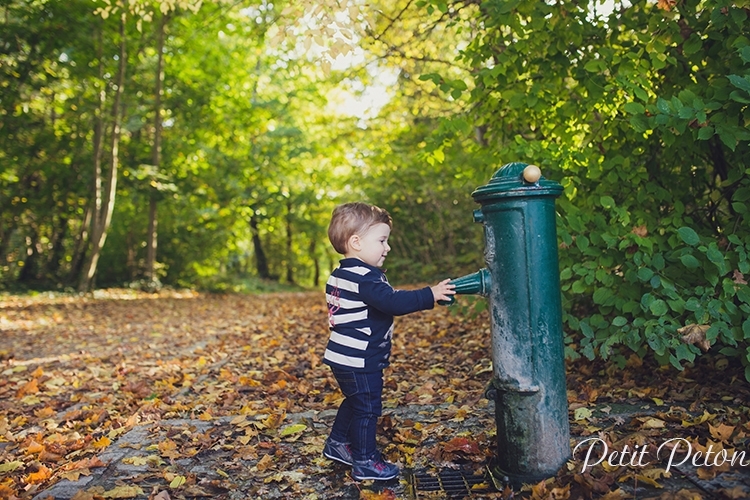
(334, 305)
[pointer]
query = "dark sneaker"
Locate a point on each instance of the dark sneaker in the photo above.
(375, 468)
(338, 451)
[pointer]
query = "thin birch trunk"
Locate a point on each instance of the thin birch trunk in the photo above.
(156, 152)
(105, 199)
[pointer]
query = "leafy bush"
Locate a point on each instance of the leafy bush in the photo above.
(662, 286)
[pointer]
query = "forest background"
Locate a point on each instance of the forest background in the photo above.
(203, 144)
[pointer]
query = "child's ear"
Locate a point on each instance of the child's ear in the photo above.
(354, 243)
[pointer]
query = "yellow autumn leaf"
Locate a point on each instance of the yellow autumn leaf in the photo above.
(44, 412)
(102, 442)
(721, 432)
(34, 448)
(153, 460)
(137, 461)
(697, 421)
(168, 448)
(42, 474)
(655, 473)
(123, 492)
(11, 466)
(648, 480)
(706, 473)
(30, 387)
(73, 475)
(239, 420)
(582, 413)
(653, 423)
(292, 429)
(265, 463)
(177, 482)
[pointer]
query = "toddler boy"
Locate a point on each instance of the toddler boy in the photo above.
(361, 307)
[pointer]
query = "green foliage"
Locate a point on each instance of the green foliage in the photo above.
(642, 301)
(245, 140)
(642, 116)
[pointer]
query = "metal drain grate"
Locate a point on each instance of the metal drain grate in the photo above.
(454, 484)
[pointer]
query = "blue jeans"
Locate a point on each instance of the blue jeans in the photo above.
(357, 418)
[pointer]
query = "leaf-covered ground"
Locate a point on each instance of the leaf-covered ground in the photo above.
(78, 373)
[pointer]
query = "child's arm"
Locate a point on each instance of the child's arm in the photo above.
(384, 297)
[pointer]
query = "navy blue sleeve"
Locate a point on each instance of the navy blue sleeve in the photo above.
(383, 297)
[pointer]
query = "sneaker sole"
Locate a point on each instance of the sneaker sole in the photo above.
(376, 478)
(337, 459)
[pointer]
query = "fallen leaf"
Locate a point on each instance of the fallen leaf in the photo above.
(735, 493)
(11, 466)
(168, 448)
(695, 334)
(265, 463)
(386, 494)
(292, 429)
(177, 482)
(650, 481)
(653, 423)
(83, 495)
(34, 448)
(30, 387)
(42, 474)
(682, 494)
(721, 432)
(462, 444)
(102, 442)
(582, 413)
(7, 492)
(74, 475)
(140, 461)
(123, 492)
(45, 412)
(706, 473)
(697, 421)
(738, 277)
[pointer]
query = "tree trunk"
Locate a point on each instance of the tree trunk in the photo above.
(5, 234)
(29, 272)
(79, 252)
(261, 262)
(316, 262)
(156, 152)
(152, 233)
(130, 260)
(102, 217)
(58, 248)
(289, 254)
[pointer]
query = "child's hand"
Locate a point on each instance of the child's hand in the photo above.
(443, 290)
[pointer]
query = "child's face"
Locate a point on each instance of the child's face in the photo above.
(372, 246)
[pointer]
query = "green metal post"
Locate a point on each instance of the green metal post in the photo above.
(528, 386)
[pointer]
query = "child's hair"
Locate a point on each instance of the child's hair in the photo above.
(354, 218)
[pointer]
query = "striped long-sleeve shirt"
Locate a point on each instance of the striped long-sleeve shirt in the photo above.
(361, 307)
